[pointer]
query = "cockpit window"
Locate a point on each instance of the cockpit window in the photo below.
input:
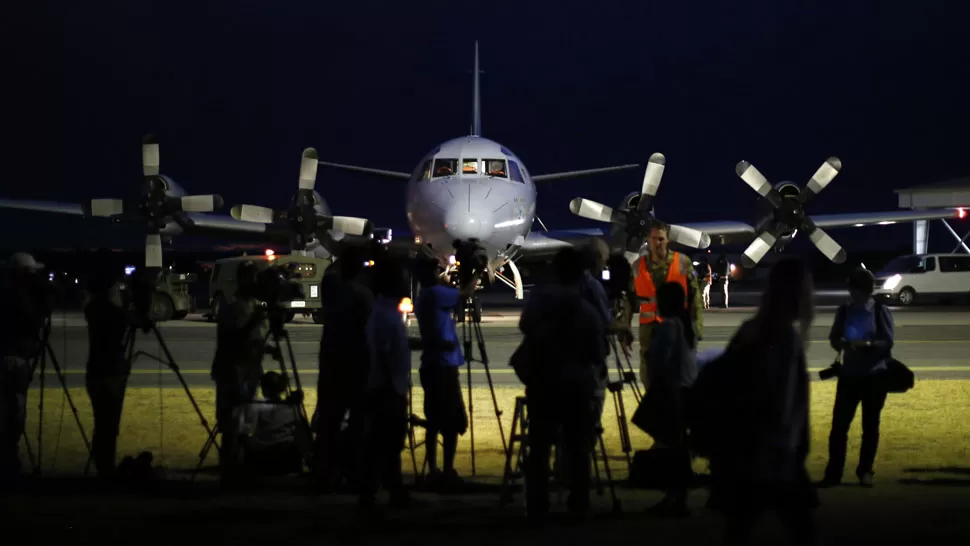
(469, 166)
(425, 171)
(445, 167)
(495, 167)
(514, 171)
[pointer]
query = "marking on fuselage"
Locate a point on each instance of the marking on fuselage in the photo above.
(489, 193)
(500, 207)
(469, 198)
(449, 192)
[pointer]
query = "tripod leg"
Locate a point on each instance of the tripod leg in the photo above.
(468, 369)
(491, 385)
(609, 474)
(70, 400)
(296, 376)
(174, 367)
(42, 364)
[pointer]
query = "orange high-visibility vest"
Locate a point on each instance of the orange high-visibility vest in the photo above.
(647, 292)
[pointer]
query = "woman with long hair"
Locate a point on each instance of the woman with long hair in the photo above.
(762, 467)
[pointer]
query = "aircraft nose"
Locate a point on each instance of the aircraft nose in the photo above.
(460, 223)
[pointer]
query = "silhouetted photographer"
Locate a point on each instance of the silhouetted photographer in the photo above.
(27, 301)
(863, 333)
(237, 366)
(108, 319)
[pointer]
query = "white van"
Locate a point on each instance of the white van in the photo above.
(925, 278)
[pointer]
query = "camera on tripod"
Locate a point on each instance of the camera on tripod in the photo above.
(138, 293)
(275, 288)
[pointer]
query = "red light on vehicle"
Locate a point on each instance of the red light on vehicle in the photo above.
(961, 213)
(269, 252)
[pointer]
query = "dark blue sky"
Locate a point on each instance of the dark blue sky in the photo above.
(235, 90)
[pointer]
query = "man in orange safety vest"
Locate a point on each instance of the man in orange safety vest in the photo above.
(648, 272)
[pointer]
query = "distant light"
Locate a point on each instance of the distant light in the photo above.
(129, 269)
(858, 225)
(406, 306)
(269, 252)
(75, 280)
(863, 265)
(961, 213)
(50, 277)
(451, 260)
(417, 240)
(887, 223)
(697, 263)
(733, 267)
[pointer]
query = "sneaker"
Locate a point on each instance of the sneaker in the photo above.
(865, 479)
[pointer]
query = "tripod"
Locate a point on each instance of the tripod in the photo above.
(470, 316)
(627, 374)
(40, 361)
(150, 327)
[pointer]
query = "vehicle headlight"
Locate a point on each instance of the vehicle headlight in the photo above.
(892, 282)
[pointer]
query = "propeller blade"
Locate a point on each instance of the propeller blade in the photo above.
(308, 169)
(651, 180)
(201, 203)
(352, 226)
(149, 156)
(827, 245)
(592, 210)
(822, 177)
(153, 251)
(689, 237)
(753, 177)
(107, 207)
(252, 213)
(758, 248)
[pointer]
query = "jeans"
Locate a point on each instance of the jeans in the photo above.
(849, 394)
(107, 398)
(550, 412)
(14, 378)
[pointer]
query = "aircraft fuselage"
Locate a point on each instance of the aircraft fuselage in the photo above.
(471, 188)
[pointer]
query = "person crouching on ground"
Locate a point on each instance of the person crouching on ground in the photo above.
(863, 332)
(441, 361)
(672, 369)
(274, 440)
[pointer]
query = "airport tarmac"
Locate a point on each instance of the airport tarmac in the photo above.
(934, 342)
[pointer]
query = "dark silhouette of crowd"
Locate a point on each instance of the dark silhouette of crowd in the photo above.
(747, 411)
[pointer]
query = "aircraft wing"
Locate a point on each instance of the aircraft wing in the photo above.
(44, 206)
(586, 172)
(859, 219)
(368, 170)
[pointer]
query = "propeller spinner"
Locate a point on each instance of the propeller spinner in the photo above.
(633, 224)
(154, 205)
(302, 218)
(788, 213)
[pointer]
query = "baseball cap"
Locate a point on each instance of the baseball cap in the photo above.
(23, 260)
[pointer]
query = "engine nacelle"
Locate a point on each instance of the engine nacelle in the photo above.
(631, 201)
(172, 189)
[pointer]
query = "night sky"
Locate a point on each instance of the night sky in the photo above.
(235, 90)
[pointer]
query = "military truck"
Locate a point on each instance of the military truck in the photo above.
(171, 299)
(223, 281)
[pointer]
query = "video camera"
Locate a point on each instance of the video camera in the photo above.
(274, 285)
(616, 277)
(139, 289)
(472, 260)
